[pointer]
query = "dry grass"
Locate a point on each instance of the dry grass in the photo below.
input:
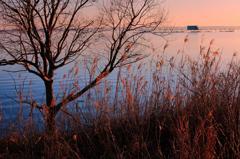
(196, 116)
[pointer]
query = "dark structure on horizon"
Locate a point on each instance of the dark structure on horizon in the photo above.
(192, 27)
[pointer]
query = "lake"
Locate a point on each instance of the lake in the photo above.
(227, 43)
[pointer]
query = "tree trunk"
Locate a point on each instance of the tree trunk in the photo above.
(50, 148)
(49, 93)
(50, 103)
(50, 124)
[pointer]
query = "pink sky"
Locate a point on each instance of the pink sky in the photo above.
(203, 12)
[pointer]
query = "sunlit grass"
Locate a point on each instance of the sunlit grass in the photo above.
(187, 109)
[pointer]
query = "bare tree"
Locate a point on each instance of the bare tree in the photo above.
(45, 35)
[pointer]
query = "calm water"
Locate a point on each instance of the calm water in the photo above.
(226, 42)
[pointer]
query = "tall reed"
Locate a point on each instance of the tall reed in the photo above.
(187, 109)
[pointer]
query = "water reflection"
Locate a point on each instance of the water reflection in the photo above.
(173, 45)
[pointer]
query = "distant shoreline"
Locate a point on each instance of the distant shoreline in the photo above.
(174, 28)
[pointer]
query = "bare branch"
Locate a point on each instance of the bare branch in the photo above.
(45, 35)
